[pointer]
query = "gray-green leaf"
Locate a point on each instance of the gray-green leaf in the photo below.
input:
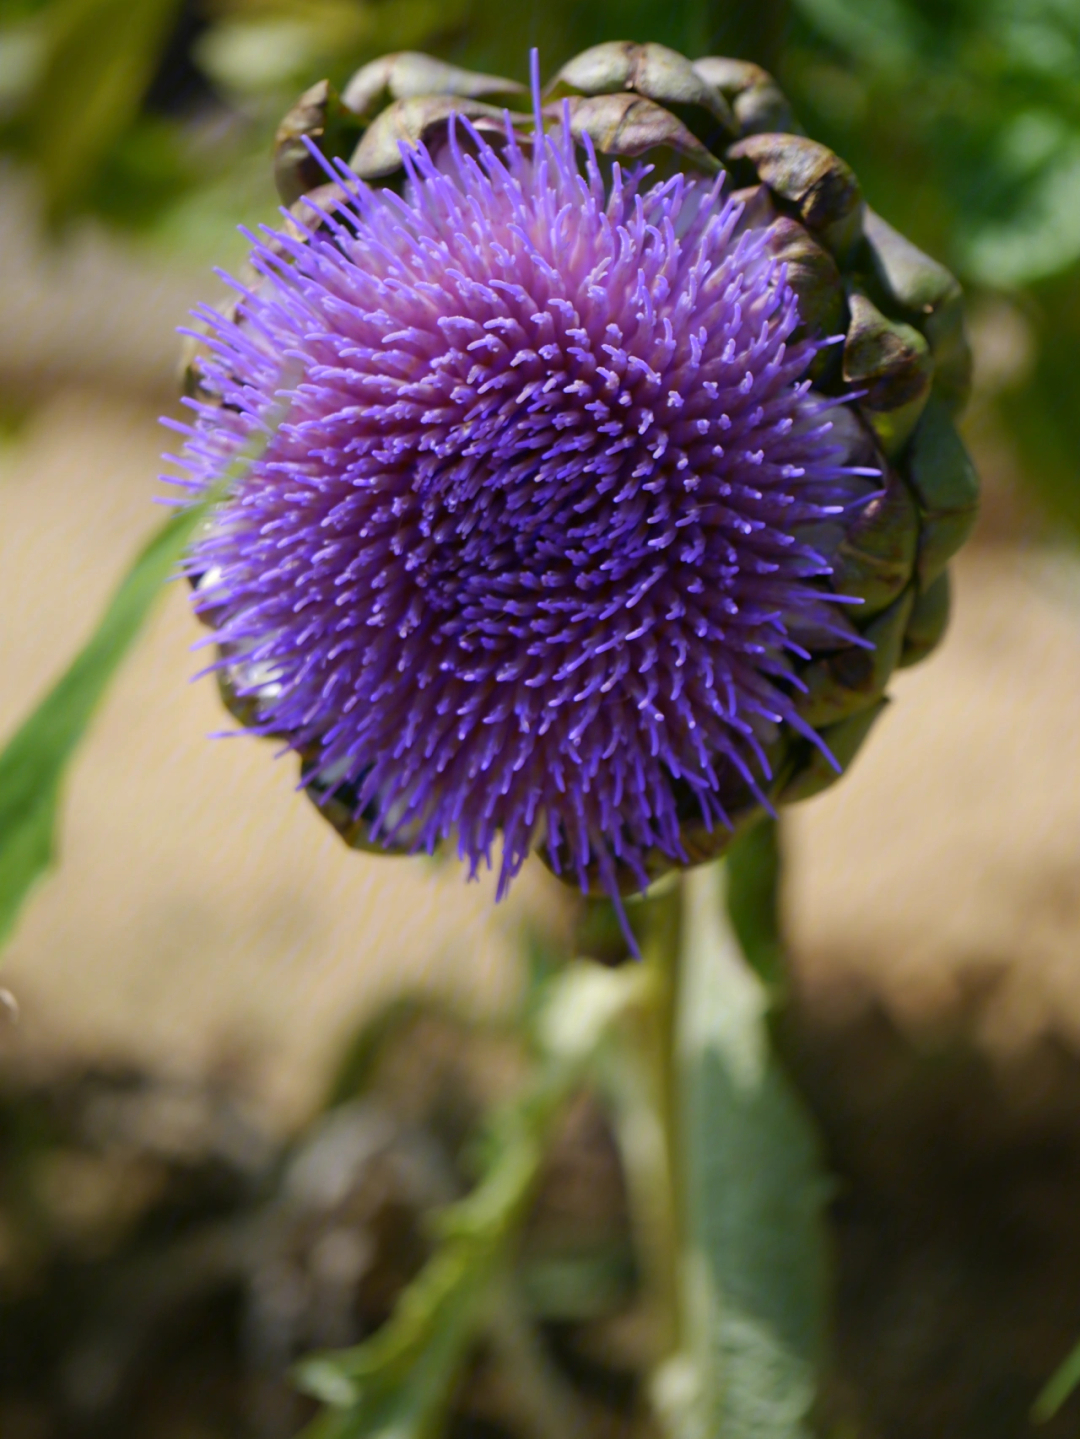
(754, 1267)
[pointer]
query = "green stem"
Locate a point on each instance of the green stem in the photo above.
(638, 1072)
(720, 1156)
(660, 954)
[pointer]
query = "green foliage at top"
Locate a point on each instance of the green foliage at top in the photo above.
(497, 36)
(76, 86)
(961, 116)
(77, 78)
(962, 119)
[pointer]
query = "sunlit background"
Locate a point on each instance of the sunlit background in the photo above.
(203, 925)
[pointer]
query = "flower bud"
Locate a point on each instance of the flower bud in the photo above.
(619, 476)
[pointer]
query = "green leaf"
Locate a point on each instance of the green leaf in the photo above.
(1058, 1389)
(882, 32)
(33, 762)
(26, 851)
(1040, 238)
(100, 58)
(145, 172)
(754, 1257)
(398, 1382)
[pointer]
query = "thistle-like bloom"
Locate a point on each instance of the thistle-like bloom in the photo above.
(528, 557)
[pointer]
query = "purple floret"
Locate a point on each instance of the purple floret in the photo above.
(524, 559)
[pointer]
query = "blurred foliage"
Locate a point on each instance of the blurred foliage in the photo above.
(75, 87)
(962, 118)
(167, 1258)
(1062, 1384)
(400, 1381)
(139, 111)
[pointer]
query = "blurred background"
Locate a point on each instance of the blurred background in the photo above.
(191, 980)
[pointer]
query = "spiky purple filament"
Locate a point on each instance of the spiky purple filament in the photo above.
(524, 554)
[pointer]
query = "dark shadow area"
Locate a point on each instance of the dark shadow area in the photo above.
(954, 1221)
(163, 1259)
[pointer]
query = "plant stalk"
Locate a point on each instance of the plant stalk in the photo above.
(660, 955)
(638, 1073)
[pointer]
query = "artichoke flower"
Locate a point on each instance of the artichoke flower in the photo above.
(618, 470)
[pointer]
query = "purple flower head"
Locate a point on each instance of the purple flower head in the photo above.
(527, 558)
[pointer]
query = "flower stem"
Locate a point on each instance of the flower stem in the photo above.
(660, 954)
(721, 1158)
